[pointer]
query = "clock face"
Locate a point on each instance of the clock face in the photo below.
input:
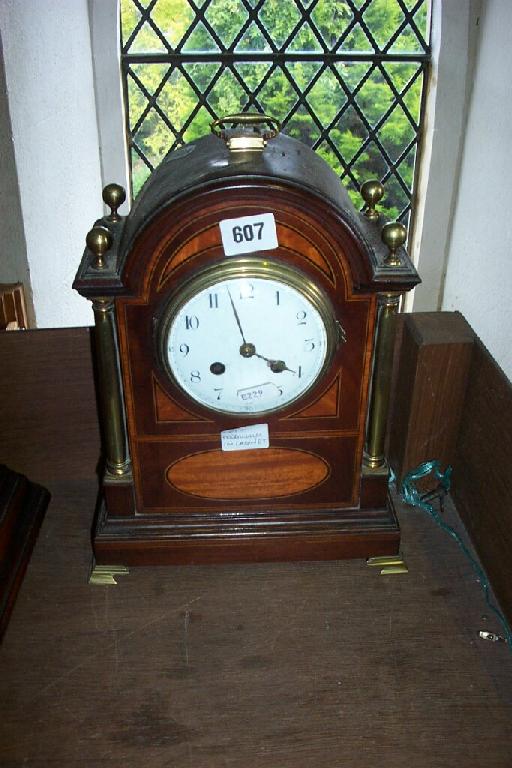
(247, 339)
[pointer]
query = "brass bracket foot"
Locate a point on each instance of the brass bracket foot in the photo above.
(106, 574)
(388, 564)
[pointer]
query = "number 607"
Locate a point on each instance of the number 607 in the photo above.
(248, 232)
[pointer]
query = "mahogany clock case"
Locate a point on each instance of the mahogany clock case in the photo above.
(305, 496)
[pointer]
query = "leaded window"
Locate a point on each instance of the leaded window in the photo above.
(344, 76)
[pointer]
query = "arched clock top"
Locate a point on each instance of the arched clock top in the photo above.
(206, 169)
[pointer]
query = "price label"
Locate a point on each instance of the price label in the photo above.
(245, 438)
(248, 234)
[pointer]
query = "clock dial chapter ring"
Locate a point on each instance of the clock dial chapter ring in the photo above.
(285, 323)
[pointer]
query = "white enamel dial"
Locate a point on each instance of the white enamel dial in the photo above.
(246, 343)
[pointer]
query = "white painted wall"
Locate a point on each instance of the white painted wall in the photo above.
(453, 39)
(13, 252)
(48, 73)
(105, 22)
(479, 270)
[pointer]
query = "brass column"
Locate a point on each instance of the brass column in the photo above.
(110, 391)
(374, 457)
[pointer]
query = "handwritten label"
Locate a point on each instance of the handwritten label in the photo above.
(246, 395)
(248, 234)
(265, 391)
(245, 438)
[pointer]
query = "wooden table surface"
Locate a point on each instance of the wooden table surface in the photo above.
(314, 665)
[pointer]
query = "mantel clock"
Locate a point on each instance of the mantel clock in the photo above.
(243, 340)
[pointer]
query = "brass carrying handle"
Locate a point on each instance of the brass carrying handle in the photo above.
(247, 119)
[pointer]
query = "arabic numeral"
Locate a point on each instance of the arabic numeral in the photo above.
(248, 232)
(247, 291)
(195, 377)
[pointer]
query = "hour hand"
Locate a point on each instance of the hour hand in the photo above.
(276, 366)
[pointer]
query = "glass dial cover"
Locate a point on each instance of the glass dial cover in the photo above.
(247, 340)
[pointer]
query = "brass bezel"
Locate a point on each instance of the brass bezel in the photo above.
(247, 267)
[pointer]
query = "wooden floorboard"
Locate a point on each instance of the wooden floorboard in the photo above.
(262, 666)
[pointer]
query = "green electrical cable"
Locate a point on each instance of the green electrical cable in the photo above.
(411, 495)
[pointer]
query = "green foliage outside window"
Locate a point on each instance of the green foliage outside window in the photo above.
(332, 105)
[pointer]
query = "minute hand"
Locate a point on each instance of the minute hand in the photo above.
(246, 349)
(236, 316)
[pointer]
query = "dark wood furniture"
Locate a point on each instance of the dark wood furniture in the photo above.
(432, 372)
(22, 508)
(482, 481)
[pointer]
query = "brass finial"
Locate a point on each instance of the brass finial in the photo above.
(394, 236)
(372, 193)
(114, 195)
(98, 241)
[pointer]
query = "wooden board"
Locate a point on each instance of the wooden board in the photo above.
(431, 375)
(482, 480)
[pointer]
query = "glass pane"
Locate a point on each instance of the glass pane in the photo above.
(228, 96)
(326, 97)
(305, 40)
(300, 126)
(200, 40)
(421, 19)
(383, 17)
(331, 18)
(140, 172)
(226, 18)
(146, 40)
(253, 39)
(279, 25)
(374, 97)
(277, 97)
(253, 74)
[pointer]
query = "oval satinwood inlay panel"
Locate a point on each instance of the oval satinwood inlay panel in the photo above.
(259, 474)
